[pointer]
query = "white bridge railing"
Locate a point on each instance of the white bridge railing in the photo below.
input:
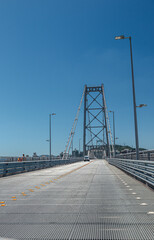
(143, 170)
(143, 155)
(9, 168)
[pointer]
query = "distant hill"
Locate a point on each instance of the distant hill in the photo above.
(122, 147)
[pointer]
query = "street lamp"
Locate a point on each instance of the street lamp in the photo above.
(51, 114)
(113, 131)
(134, 99)
(142, 105)
(79, 144)
(72, 134)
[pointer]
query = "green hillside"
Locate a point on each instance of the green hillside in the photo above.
(122, 147)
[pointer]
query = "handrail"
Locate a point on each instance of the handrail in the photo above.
(9, 168)
(143, 170)
(146, 154)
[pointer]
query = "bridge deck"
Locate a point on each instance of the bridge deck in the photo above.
(78, 201)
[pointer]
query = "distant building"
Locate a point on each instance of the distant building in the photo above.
(34, 154)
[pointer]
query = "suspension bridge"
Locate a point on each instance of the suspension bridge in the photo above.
(106, 198)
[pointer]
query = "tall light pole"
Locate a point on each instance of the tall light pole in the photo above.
(113, 131)
(51, 114)
(79, 144)
(134, 99)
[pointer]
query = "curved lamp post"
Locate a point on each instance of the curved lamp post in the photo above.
(52, 114)
(134, 99)
(113, 131)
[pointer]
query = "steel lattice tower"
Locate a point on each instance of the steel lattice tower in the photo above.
(95, 121)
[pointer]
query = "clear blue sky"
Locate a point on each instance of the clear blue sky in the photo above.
(50, 49)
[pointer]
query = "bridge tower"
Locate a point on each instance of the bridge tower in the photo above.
(95, 132)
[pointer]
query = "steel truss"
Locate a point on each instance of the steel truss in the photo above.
(95, 121)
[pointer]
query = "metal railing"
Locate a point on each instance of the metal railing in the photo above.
(142, 170)
(143, 155)
(35, 158)
(9, 168)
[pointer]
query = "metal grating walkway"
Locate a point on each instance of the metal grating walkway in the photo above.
(77, 201)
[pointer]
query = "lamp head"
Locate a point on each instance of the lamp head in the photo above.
(142, 105)
(119, 37)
